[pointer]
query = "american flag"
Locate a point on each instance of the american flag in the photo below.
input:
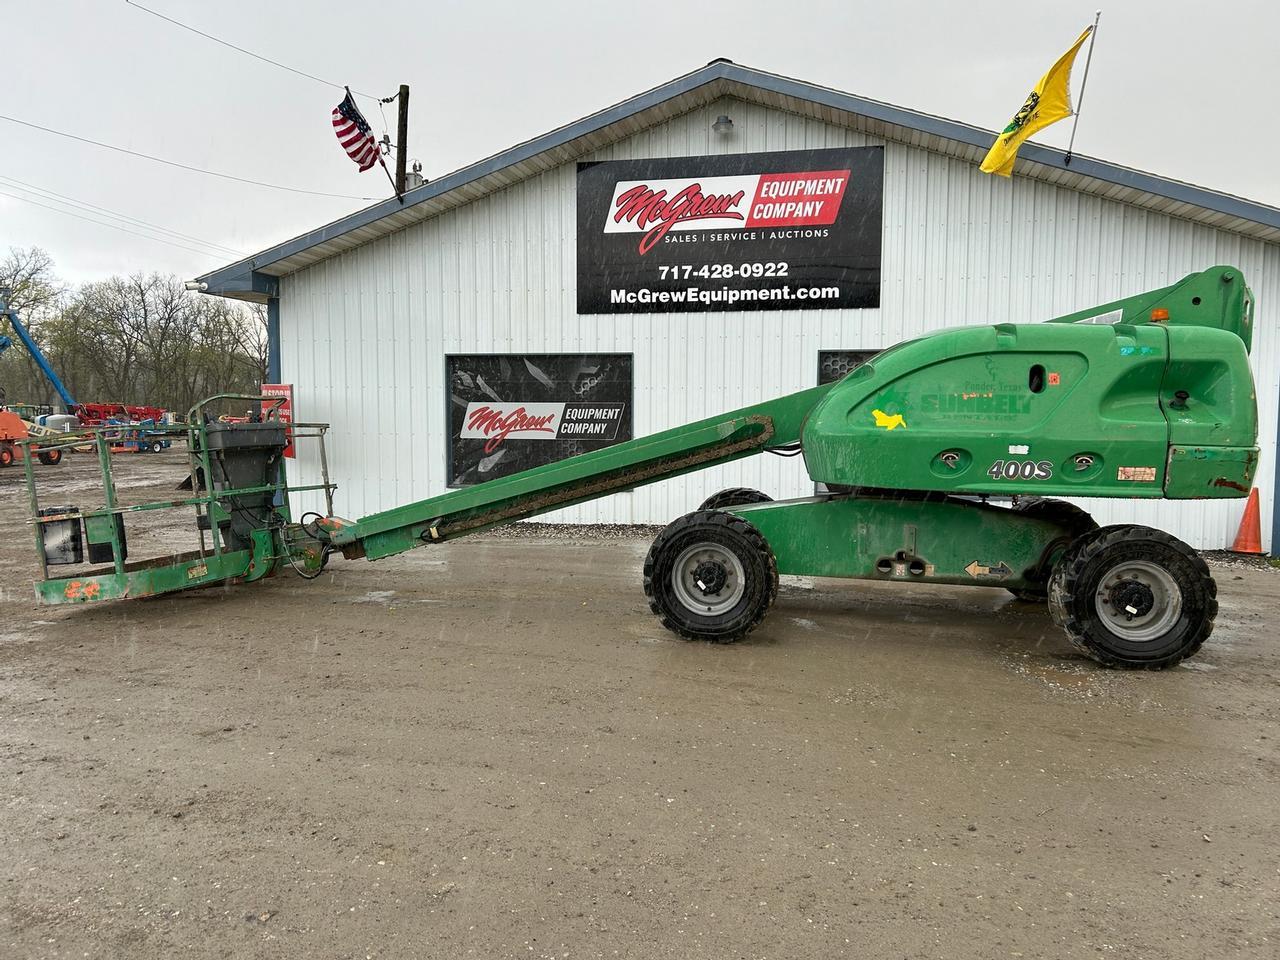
(353, 132)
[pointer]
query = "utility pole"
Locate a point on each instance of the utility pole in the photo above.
(402, 136)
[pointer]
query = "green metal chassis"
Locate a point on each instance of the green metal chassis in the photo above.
(890, 537)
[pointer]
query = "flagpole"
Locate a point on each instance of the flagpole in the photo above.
(1097, 16)
(383, 164)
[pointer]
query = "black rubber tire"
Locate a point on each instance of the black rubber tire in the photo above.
(760, 576)
(156, 446)
(6, 455)
(1068, 515)
(50, 457)
(1073, 599)
(734, 497)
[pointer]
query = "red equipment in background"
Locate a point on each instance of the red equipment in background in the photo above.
(96, 414)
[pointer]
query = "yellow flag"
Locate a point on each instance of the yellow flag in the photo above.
(1048, 103)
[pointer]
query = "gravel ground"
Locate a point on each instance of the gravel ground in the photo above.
(491, 749)
(1226, 559)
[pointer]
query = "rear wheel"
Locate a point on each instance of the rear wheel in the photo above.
(6, 455)
(1130, 596)
(1077, 522)
(734, 497)
(50, 457)
(710, 576)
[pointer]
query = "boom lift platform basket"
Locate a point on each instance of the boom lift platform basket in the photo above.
(239, 495)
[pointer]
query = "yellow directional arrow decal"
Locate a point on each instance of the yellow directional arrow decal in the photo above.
(1000, 571)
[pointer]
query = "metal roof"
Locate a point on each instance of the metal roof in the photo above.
(254, 278)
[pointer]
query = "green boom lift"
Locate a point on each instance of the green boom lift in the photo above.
(940, 456)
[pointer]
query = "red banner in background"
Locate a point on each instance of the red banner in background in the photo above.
(283, 411)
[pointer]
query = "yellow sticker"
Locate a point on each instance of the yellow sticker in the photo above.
(889, 422)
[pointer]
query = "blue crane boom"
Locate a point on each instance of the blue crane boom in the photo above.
(34, 349)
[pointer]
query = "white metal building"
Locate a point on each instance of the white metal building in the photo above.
(364, 311)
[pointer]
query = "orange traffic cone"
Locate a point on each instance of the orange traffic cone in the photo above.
(1249, 539)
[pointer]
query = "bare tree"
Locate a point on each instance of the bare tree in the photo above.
(253, 342)
(35, 292)
(29, 277)
(142, 339)
(110, 317)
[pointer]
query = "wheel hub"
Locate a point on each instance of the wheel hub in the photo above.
(1132, 598)
(710, 577)
(1138, 601)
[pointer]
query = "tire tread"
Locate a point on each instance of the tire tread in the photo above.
(1065, 580)
(730, 522)
(733, 497)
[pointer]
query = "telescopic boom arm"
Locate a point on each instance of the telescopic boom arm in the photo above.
(624, 466)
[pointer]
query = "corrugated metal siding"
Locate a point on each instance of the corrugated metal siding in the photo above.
(364, 334)
(866, 122)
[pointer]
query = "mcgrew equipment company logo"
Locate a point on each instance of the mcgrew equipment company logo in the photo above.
(496, 422)
(746, 202)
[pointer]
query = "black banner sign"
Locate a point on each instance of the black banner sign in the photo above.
(793, 230)
(509, 412)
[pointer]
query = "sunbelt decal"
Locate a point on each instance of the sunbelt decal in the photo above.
(496, 422)
(732, 203)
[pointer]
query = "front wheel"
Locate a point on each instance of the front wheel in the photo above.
(1130, 596)
(156, 446)
(50, 457)
(6, 455)
(710, 576)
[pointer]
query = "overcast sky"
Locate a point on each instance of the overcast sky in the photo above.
(1176, 88)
